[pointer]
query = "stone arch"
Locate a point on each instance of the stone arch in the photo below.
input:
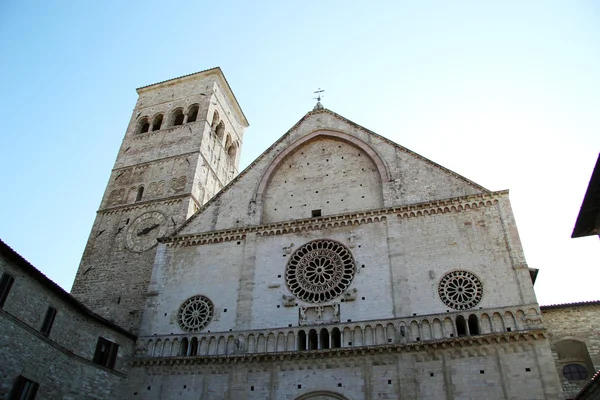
(321, 133)
(177, 117)
(304, 162)
(157, 122)
(143, 126)
(192, 113)
(321, 395)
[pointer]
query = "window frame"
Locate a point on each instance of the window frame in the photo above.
(105, 353)
(48, 321)
(24, 389)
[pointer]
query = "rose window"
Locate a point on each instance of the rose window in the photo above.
(460, 290)
(195, 313)
(320, 271)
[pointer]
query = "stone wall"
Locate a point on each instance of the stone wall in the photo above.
(492, 368)
(167, 172)
(573, 329)
(61, 362)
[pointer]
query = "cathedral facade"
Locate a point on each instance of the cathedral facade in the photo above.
(337, 265)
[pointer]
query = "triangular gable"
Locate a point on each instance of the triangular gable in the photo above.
(405, 176)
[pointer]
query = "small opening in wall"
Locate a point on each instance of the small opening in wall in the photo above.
(252, 388)
(389, 381)
(148, 387)
(389, 340)
(342, 300)
(342, 200)
(452, 335)
(342, 157)
(527, 369)
(307, 163)
(363, 298)
(339, 385)
(224, 310)
(119, 300)
(418, 339)
(127, 222)
(185, 386)
(316, 213)
(299, 386)
(414, 314)
(349, 320)
(431, 374)
(230, 330)
(359, 246)
(362, 266)
(292, 195)
(481, 371)
(363, 197)
(239, 242)
(316, 191)
(285, 255)
(289, 325)
(165, 314)
(361, 184)
(349, 343)
(279, 276)
(277, 305)
(327, 201)
(508, 329)
(135, 393)
(296, 304)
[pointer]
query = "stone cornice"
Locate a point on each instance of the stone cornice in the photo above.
(466, 341)
(455, 204)
(158, 160)
(146, 204)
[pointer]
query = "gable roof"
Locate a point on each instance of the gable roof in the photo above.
(317, 111)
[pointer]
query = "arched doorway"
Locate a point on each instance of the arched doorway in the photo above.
(321, 395)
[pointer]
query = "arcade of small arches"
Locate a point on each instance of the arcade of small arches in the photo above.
(347, 335)
(179, 116)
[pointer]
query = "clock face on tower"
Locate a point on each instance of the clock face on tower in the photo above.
(144, 230)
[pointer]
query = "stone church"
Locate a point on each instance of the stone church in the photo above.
(337, 265)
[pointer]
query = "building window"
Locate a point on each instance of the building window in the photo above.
(575, 372)
(144, 125)
(5, 284)
(106, 353)
(24, 389)
(48, 321)
(140, 193)
(178, 117)
(192, 114)
(157, 123)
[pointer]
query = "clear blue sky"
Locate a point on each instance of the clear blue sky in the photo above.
(504, 93)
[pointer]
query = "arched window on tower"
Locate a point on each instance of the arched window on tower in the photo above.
(461, 326)
(215, 121)
(157, 123)
(232, 151)
(473, 325)
(220, 131)
(193, 113)
(140, 193)
(144, 125)
(177, 117)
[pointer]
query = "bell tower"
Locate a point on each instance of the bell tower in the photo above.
(181, 147)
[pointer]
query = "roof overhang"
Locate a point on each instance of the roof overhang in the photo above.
(588, 220)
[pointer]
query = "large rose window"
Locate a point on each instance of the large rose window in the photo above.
(320, 271)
